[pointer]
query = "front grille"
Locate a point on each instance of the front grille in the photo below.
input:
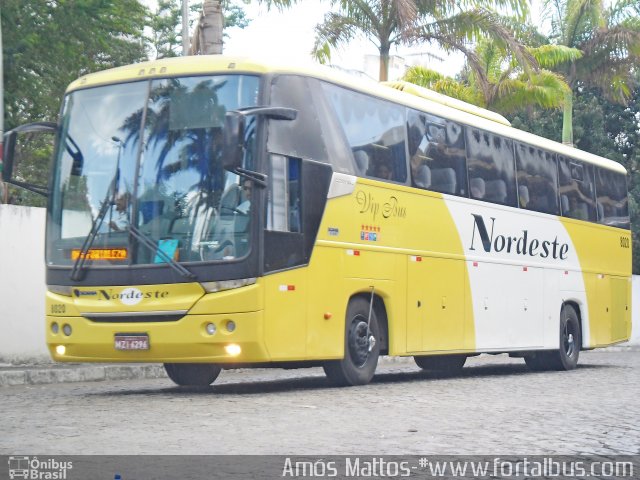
(135, 317)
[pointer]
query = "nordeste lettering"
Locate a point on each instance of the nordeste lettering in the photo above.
(523, 244)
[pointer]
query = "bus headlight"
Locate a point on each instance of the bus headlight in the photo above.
(60, 289)
(61, 350)
(210, 328)
(212, 287)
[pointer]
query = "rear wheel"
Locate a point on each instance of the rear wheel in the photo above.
(361, 349)
(192, 374)
(441, 363)
(566, 357)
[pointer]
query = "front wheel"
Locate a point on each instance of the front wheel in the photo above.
(566, 357)
(192, 374)
(361, 347)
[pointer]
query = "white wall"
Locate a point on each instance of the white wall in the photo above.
(635, 311)
(22, 284)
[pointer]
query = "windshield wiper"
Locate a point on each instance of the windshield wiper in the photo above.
(76, 271)
(78, 266)
(150, 244)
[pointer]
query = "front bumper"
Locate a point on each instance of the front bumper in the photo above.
(182, 341)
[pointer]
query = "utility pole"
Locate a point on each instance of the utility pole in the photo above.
(185, 27)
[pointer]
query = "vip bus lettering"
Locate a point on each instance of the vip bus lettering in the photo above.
(392, 209)
(521, 245)
(367, 203)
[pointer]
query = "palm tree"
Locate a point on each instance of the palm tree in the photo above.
(609, 39)
(208, 34)
(433, 80)
(495, 80)
(388, 23)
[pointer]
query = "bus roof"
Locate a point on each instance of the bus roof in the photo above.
(413, 96)
(432, 95)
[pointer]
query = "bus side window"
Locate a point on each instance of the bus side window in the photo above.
(374, 129)
(283, 210)
(612, 203)
(437, 153)
(577, 192)
(537, 179)
(490, 158)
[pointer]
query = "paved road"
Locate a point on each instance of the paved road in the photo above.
(496, 406)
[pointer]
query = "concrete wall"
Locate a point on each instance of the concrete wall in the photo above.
(635, 311)
(22, 286)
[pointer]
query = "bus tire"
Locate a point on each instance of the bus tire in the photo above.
(192, 374)
(360, 353)
(566, 357)
(448, 364)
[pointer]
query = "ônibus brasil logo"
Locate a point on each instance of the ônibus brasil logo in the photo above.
(37, 469)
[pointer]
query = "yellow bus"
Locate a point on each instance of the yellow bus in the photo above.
(213, 212)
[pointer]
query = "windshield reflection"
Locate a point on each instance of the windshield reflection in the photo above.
(153, 150)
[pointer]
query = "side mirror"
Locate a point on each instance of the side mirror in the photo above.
(9, 153)
(234, 131)
(233, 140)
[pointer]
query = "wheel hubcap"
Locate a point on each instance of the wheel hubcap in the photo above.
(569, 342)
(360, 344)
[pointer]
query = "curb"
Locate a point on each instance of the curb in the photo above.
(47, 374)
(44, 374)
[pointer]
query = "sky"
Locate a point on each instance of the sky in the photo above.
(289, 36)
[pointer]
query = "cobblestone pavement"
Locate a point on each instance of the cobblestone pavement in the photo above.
(495, 407)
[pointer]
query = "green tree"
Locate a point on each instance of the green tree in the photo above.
(47, 44)
(388, 23)
(493, 78)
(604, 128)
(166, 36)
(609, 39)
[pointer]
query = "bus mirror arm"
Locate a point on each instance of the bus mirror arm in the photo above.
(275, 113)
(256, 177)
(40, 190)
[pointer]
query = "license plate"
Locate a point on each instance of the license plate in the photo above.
(132, 342)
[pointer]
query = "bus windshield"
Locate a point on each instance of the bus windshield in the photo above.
(147, 155)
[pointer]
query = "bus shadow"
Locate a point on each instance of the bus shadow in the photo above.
(479, 371)
(258, 387)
